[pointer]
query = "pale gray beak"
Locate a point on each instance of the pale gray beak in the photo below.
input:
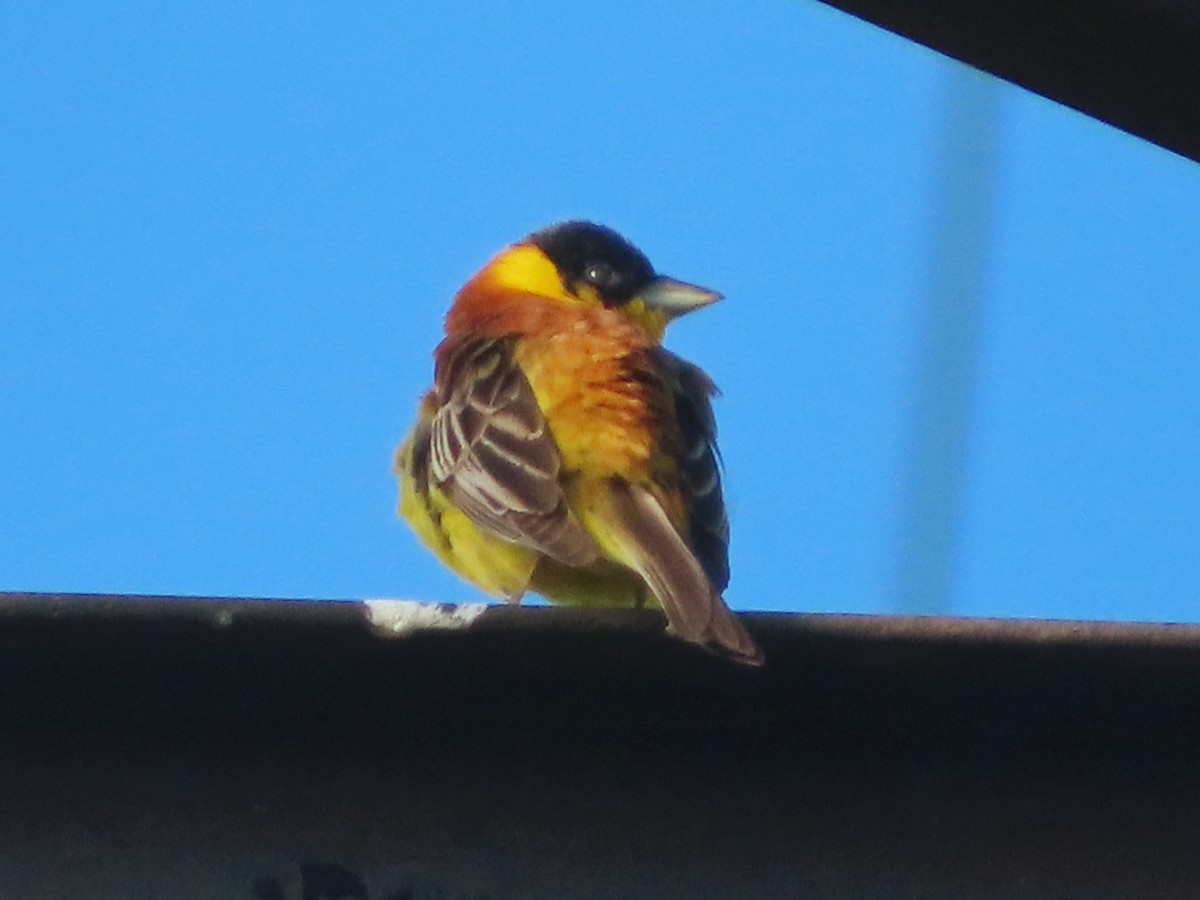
(676, 297)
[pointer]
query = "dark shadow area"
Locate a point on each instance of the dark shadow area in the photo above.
(201, 747)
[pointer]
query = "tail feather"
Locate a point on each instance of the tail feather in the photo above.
(694, 609)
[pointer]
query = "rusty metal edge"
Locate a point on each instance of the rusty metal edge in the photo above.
(219, 612)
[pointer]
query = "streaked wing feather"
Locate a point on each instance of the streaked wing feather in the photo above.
(694, 609)
(700, 467)
(493, 454)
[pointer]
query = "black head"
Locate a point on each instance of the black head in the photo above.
(588, 254)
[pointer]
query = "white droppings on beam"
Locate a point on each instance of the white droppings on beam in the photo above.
(400, 618)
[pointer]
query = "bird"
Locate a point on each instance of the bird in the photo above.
(563, 450)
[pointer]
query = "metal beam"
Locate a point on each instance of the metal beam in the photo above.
(190, 747)
(1131, 63)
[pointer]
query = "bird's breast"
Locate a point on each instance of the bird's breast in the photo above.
(601, 398)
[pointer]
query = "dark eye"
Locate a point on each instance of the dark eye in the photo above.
(600, 274)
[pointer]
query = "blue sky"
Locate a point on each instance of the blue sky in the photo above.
(231, 233)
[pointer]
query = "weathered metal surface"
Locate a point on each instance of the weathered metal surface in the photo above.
(280, 749)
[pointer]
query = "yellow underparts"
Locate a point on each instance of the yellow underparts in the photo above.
(498, 567)
(507, 570)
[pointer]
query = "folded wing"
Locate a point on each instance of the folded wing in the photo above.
(700, 466)
(492, 453)
(652, 546)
